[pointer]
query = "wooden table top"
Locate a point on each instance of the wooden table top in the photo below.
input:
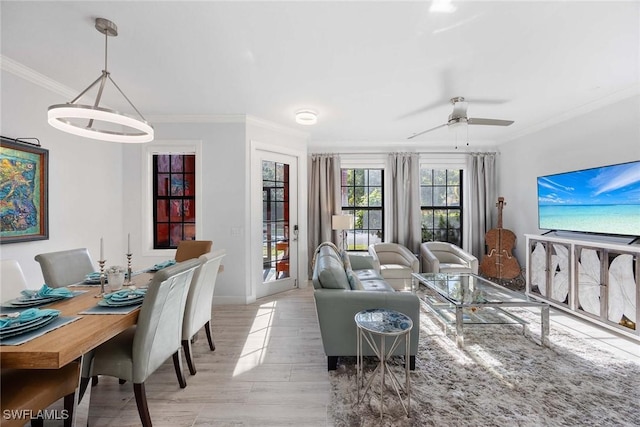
(57, 348)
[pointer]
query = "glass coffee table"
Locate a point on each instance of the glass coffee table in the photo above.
(468, 299)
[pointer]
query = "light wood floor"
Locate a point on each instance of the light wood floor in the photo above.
(268, 369)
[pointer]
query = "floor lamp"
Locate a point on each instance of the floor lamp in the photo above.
(342, 223)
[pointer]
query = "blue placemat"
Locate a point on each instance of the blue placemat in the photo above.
(6, 306)
(28, 336)
(98, 309)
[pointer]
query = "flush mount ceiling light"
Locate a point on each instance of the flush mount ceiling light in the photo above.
(93, 121)
(442, 6)
(306, 117)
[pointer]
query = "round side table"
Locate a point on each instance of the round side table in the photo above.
(375, 326)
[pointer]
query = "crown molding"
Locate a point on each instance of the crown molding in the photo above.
(268, 125)
(14, 67)
(619, 95)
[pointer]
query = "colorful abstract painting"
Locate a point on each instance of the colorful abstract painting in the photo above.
(23, 192)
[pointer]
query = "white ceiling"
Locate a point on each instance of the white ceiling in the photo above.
(374, 71)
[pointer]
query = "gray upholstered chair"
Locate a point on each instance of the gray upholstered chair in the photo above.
(188, 249)
(444, 257)
(137, 352)
(65, 268)
(28, 391)
(198, 310)
(12, 280)
(396, 263)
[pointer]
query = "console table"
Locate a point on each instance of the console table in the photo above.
(594, 279)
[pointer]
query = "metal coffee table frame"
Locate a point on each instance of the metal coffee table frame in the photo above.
(467, 295)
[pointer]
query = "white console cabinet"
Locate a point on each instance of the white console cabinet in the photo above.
(596, 280)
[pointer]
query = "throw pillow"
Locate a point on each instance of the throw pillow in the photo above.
(345, 260)
(354, 281)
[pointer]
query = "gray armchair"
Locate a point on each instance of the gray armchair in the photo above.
(137, 352)
(444, 257)
(199, 300)
(65, 268)
(396, 263)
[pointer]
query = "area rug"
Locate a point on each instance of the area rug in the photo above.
(501, 378)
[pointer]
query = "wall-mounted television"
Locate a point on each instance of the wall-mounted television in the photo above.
(602, 200)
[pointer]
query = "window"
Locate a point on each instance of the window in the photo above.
(174, 201)
(363, 197)
(441, 205)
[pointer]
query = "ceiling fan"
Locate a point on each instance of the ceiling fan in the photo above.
(459, 116)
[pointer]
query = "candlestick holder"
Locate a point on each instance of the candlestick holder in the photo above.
(102, 277)
(129, 271)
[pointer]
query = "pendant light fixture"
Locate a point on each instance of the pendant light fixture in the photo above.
(93, 121)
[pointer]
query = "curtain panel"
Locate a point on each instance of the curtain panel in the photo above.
(405, 200)
(324, 199)
(482, 184)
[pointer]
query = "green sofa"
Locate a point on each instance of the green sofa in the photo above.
(345, 284)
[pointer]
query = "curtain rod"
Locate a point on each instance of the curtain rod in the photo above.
(410, 152)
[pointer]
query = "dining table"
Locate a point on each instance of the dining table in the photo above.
(72, 341)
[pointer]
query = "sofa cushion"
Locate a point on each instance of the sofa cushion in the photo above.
(361, 262)
(368, 274)
(331, 272)
(378, 285)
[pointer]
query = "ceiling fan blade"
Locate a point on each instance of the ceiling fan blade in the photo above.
(425, 131)
(489, 101)
(421, 109)
(490, 122)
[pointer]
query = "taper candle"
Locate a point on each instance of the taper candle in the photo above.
(101, 249)
(128, 243)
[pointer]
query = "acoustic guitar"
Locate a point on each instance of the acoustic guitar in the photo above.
(499, 262)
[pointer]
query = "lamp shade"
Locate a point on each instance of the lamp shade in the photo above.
(342, 222)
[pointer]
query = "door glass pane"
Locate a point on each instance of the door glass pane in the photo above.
(275, 217)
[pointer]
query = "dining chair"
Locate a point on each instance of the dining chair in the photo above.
(137, 352)
(188, 249)
(28, 391)
(65, 268)
(199, 301)
(12, 280)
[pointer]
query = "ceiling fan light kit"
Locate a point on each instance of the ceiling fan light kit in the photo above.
(459, 118)
(83, 120)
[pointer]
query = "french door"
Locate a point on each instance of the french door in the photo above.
(279, 223)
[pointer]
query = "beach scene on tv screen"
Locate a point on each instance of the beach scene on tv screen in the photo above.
(602, 200)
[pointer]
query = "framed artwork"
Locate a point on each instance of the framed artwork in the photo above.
(24, 170)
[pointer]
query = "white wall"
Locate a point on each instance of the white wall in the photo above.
(605, 136)
(223, 202)
(226, 214)
(85, 181)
